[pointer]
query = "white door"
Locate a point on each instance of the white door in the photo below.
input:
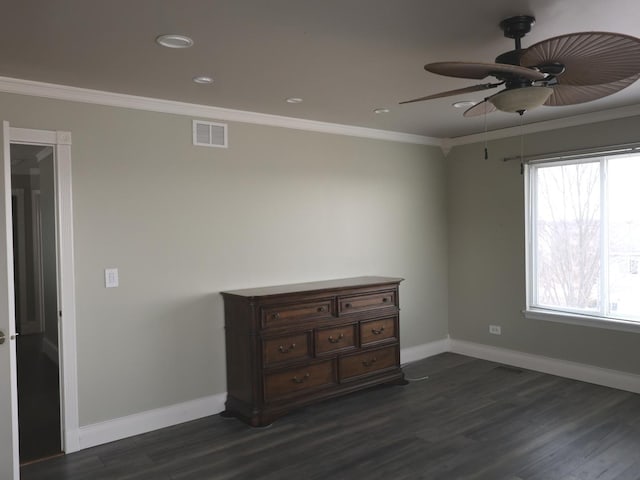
(9, 460)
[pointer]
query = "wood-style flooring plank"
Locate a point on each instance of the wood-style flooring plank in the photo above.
(470, 419)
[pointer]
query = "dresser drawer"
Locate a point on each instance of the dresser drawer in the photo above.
(365, 363)
(360, 303)
(335, 339)
(281, 315)
(373, 331)
(299, 380)
(286, 348)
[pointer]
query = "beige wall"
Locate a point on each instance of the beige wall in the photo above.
(486, 251)
(183, 223)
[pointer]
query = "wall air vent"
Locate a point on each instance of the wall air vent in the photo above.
(209, 134)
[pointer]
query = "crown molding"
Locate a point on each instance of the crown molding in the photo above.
(97, 97)
(543, 126)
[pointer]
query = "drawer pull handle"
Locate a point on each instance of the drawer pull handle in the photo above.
(322, 309)
(347, 305)
(385, 299)
(377, 332)
(300, 380)
(368, 363)
(284, 349)
(335, 340)
(275, 316)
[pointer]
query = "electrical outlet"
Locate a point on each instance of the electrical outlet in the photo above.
(495, 329)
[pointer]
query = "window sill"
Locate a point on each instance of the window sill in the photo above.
(582, 320)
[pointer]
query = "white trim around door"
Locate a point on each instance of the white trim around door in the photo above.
(9, 461)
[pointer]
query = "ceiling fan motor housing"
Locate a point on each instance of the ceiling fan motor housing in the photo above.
(516, 28)
(511, 57)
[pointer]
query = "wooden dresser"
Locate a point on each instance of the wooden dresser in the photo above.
(292, 345)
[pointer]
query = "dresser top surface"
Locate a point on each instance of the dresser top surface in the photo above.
(336, 284)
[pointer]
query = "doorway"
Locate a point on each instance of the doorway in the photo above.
(36, 293)
(60, 141)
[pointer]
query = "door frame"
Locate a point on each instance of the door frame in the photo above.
(67, 355)
(9, 459)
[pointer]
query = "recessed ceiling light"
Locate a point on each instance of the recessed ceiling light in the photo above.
(464, 104)
(294, 100)
(203, 80)
(174, 41)
(381, 110)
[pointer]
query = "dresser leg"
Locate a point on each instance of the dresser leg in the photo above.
(255, 419)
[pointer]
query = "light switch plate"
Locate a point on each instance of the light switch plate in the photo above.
(111, 277)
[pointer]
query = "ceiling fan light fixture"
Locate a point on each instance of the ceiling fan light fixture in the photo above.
(520, 99)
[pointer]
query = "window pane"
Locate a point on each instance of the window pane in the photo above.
(567, 243)
(624, 236)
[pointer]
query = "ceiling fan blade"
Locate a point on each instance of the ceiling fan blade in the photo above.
(473, 88)
(573, 94)
(481, 108)
(589, 58)
(479, 71)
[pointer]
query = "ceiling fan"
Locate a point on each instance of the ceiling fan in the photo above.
(564, 70)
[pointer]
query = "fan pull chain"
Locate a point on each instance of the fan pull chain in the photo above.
(521, 145)
(486, 150)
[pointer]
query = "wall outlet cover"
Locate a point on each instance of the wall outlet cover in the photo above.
(111, 279)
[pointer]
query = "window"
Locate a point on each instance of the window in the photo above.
(583, 238)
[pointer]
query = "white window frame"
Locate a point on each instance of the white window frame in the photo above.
(567, 316)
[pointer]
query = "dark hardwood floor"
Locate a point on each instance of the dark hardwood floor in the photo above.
(471, 419)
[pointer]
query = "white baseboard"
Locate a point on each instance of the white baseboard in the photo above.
(562, 368)
(50, 350)
(412, 354)
(116, 429)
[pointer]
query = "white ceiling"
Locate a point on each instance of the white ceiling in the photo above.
(343, 57)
